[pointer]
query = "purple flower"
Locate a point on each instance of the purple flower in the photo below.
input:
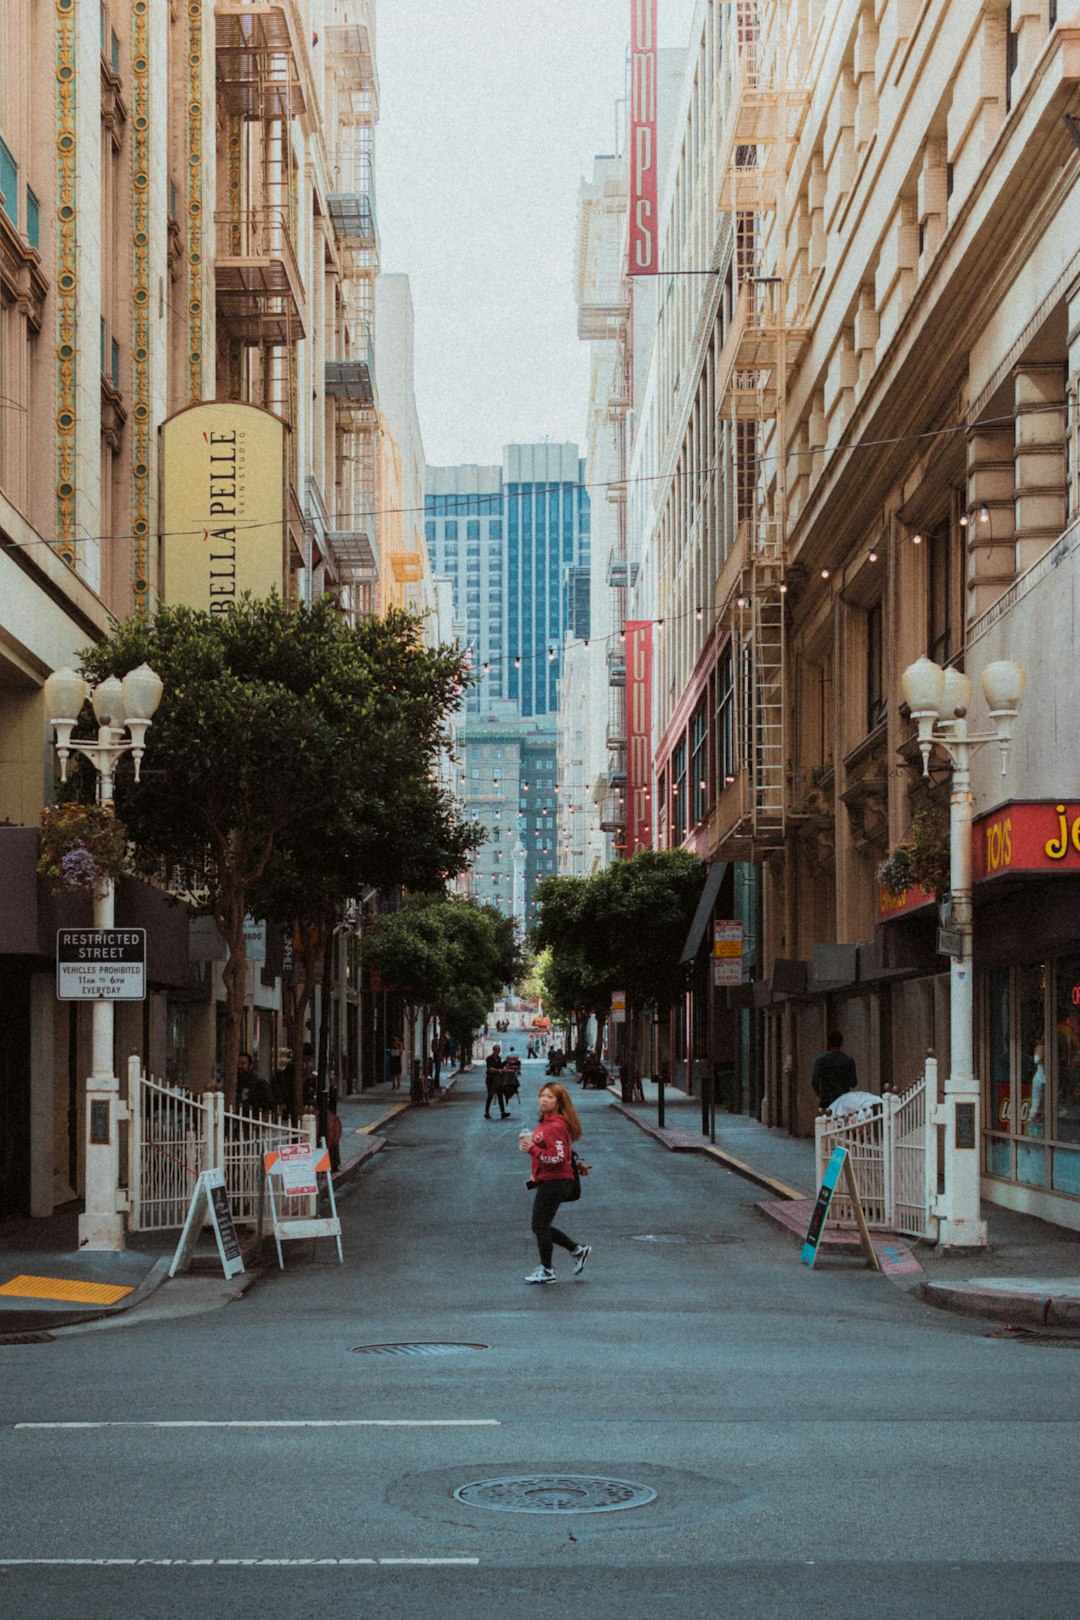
(79, 868)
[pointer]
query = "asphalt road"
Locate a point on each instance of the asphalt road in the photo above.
(803, 1443)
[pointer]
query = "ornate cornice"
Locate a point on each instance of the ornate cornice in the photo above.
(140, 325)
(195, 198)
(67, 244)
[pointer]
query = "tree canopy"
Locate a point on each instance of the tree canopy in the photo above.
(448, 953)
(290, 763)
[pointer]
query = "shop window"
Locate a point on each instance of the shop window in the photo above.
(725, 723)
(678, 794)
(699, 763)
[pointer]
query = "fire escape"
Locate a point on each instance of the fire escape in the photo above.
(604, 310)
(350, 364)
(764, 339)
(264, 82)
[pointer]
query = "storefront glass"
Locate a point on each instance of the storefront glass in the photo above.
(1032, 1061)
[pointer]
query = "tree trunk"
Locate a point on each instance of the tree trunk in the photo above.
(230, 922)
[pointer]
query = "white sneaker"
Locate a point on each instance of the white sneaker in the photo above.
(542, 1274)
(580, 1255)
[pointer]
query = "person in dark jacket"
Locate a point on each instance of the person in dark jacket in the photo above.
(494, 1080)
(551, 1149)
(834, 1072)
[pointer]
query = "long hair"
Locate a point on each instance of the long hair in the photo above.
(566, 1109)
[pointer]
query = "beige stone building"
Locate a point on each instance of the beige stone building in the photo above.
(187, 214)
(894, 362)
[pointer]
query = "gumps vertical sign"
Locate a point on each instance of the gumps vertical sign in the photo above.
(639, 818)
(644, 244)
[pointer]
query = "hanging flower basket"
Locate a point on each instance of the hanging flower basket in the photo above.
(83, 847)
(921, 860)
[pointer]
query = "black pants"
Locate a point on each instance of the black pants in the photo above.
(549, 1195)
(494, 1090)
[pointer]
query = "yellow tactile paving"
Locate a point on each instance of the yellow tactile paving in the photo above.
(77, 1293)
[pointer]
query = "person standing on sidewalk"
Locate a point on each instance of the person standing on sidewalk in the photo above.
(834, 1072)
(551, 1149)
(494, 1079)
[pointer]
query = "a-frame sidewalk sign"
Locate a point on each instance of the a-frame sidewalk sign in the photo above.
(840, 1161)
(209, 1202)
(295, 1170)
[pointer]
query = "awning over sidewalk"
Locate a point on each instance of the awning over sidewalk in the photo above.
(704, 910)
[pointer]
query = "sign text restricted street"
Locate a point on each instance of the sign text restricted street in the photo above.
(101, 964)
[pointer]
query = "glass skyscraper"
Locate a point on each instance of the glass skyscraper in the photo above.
(513, 540)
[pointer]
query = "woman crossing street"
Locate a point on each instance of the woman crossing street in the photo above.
(551, 1149)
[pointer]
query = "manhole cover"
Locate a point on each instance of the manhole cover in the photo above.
(414, 1349)
(555, 1493)
(681, 1237)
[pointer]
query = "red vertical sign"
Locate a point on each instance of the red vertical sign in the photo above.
(644, 240)
(639, 816)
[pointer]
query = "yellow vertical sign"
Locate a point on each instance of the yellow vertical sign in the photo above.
(222, 505)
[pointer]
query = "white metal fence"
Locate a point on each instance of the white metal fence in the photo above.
(175, 1134)
(893, 1151)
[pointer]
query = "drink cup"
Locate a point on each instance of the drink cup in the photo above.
(525, 1138)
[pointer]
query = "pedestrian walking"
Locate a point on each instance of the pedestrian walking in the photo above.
(394, 1054)
(833, 1072)
(494, 1079)
(551, 1150)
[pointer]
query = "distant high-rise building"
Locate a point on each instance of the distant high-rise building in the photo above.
(513, 540)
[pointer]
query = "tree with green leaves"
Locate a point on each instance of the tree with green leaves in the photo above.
(445, 953)
(291, 759)
(624, 928)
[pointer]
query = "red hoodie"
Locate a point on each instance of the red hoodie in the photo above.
(551, 1150)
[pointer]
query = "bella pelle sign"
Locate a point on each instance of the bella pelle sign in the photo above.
(222, 504)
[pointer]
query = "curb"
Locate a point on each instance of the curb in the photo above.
(15, 1325)
(1000, 1304)
(727, 1161)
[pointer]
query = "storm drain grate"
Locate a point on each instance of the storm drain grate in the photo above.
(414, 1349)
(554, 1493)
(26, 1338)
(1025, 1335)
(681, 1237)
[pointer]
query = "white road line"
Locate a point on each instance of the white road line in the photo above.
(228, 1563)
(278, 1423)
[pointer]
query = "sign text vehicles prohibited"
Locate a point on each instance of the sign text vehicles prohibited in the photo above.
(101, 964)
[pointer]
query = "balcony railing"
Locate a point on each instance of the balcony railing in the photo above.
(352, 382)
(260, 293)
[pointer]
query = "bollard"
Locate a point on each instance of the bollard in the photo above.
(659, 1079)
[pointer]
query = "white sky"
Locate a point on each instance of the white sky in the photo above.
(491, 112)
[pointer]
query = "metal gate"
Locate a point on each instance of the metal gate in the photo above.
(174, 1135)
(893, 1153)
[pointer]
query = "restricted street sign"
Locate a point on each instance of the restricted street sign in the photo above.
(101, 964)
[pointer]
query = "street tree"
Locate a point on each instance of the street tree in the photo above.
(445, 954)
(286, 745)
(622, 928)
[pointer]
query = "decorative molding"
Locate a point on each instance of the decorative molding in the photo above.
(66, 299)
(195, 198)
(140, 323)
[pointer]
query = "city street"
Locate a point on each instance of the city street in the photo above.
(803, 1442)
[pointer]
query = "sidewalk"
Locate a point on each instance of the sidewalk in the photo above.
(47, 1282)
(1029, 1274)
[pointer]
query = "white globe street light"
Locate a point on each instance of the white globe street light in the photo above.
(131, 704)
(939, 700)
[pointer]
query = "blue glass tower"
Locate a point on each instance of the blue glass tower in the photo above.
(513, 540)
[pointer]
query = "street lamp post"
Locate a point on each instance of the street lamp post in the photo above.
(131, 704)
(939, 700)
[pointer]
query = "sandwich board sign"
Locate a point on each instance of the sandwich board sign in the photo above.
(296, 1168)
(209, 1202)
(839, 1163)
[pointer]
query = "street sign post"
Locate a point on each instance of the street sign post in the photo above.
(101, 964)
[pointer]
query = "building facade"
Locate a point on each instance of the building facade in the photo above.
(880, 461)
(187, 216)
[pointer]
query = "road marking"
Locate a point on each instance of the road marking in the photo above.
(277, 1423)
(227, 1563)
(68, 1289)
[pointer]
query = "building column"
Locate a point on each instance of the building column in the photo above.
(991, 540)
(42, 1086)
(1039, 394)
